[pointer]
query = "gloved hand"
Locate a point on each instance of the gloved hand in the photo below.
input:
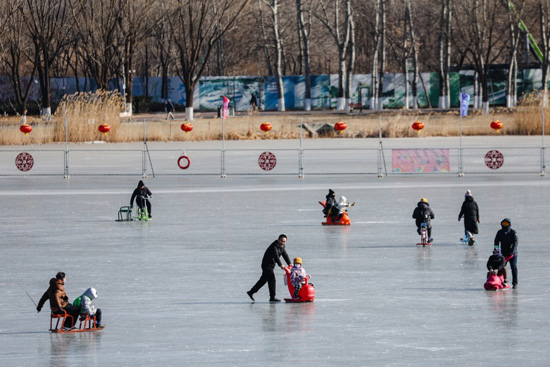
(38, 309)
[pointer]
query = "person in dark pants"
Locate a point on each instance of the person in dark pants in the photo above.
(507, 239)
(330, 201)
(423, 214)
(59, 300)
(470, 211)
(271, 257)
(141, 194)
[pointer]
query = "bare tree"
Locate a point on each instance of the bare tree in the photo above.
(408, 53)
(481, 34)
(444, 47)
(544, 20)
(96, 23)
(340, 30)
(46, 23)
(273, 6)
(196, 26)
(18, 57)
(304, 26)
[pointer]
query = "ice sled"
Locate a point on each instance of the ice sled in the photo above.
(87, 322)
(345, 221)
(307, 293)
(495, 282)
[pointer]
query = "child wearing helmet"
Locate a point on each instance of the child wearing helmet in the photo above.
(424, 214)
(297, 276)
(85, 304)
(340, 209)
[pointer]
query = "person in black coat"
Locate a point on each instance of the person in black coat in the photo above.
(507, 239)
(496, 263)
(470, 211)
(141, 194)
(423, 214)
(271, 257)
(330, 201)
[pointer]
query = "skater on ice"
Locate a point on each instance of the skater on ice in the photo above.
(470, 212)
(298, 277)
(424, 214)
(86, 306)
(142, 194)
(59, 300)
(271, 257)
(507, 239)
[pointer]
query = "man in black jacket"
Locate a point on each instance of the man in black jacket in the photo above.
(508, 241)
(423, 214)
(271, 257)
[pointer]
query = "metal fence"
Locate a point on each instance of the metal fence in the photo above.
(297, 162)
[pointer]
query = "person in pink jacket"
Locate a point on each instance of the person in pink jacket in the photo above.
(298, 276)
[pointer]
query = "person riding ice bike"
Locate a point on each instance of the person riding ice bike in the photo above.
(423, 214)
(142, 195)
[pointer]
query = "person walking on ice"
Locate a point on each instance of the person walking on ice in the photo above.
(271, 257)
(507, 239)
(470, 212)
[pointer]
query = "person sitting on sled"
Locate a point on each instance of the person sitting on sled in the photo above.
(330, 201)
(338, 210)
(298, 277)
(423, 214)
(141, 193)
(496, 262)
(497, 271)
(86, 306)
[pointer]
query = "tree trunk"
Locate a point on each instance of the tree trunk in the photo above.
(382, 54)
(304, 35)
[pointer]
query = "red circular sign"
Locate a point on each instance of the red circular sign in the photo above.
(24, 162)
(267, 161)
(494, 159)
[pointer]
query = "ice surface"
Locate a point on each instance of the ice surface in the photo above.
(172, 290)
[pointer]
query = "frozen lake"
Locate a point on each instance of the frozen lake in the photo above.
(173, 290)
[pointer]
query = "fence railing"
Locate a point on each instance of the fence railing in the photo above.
(299, 162)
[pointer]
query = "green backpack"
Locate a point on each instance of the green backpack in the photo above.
(78, 302)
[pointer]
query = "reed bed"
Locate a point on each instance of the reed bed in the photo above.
(86, 111)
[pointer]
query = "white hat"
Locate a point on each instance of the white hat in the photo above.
(468, 193)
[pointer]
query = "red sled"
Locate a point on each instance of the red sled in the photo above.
(424, 244)
(307, 293)
(344, 221)
(495, 282)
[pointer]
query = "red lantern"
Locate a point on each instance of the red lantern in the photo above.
(25, 129)
(418, 126)
(187, 127)
(104, 128)
(496, 125)
(266, 127)
(340, 127)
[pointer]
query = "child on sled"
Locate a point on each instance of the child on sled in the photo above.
(298, 277)
(496, 276)
(86, 306)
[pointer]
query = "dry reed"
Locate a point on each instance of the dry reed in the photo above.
(86, 111)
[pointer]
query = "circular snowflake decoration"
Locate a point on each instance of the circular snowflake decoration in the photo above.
(494, 159)
(267, 161)
(24, 162)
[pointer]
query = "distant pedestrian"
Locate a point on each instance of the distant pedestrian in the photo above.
(271, 257)
(254, 102)
(470, 212)
(507, 239)
(169, 108)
